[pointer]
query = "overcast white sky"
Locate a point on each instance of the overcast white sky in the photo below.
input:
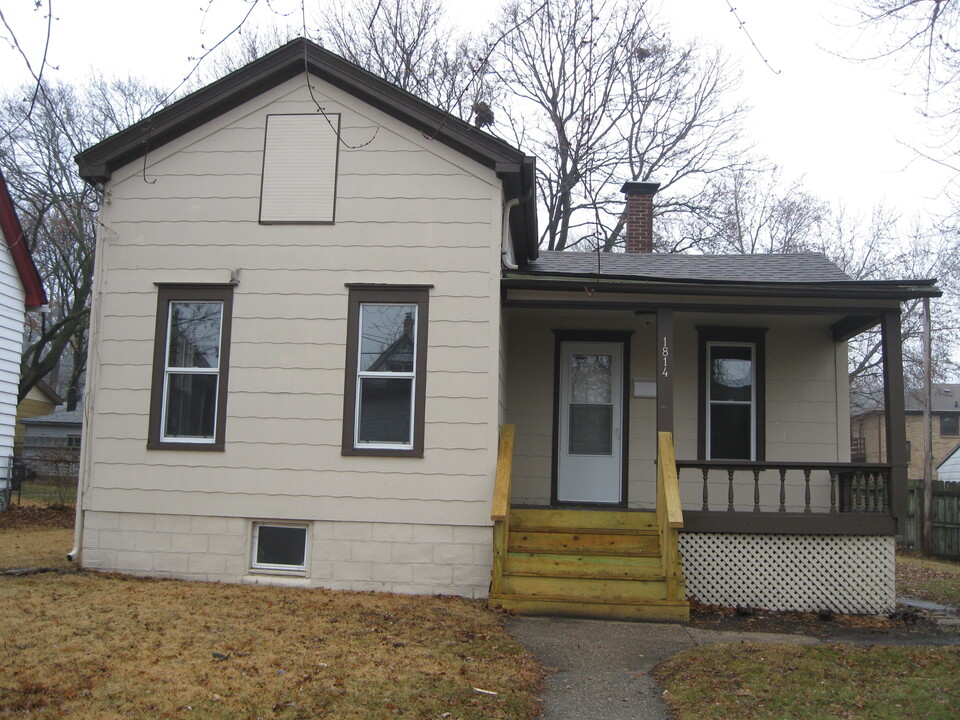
(841, 125)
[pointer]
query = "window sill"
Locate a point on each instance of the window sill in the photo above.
(206, 447)
(381, 452)
(261, 577)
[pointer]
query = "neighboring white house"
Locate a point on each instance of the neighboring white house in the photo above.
(318, 301)
(948, 469)
(20, 289)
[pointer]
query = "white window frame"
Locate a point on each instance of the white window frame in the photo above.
(168, 371)
(710, 402)
(274, 568)
(391, 375)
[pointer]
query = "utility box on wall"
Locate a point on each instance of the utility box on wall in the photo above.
(644, 388)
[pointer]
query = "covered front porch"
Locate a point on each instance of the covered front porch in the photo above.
(672, 440)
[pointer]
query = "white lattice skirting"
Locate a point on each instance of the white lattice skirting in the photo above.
(843, 573)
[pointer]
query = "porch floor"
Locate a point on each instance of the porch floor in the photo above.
(585, 563)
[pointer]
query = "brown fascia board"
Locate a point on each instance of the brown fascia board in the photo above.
(854, 289)
(98, 162)
(44, 387)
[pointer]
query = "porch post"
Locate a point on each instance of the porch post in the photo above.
(893, 400)
(665, 363)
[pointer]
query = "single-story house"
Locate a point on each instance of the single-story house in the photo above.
(59, 430)
(20, 290)
(326, 351)
(51, 446)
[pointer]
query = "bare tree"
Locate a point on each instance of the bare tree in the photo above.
(249, 43)
(410, 43)
(919, 33)
(601, 96)
(755, 211)
(59, 211)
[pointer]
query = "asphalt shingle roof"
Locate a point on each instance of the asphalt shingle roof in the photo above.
(64, 417)
(798, 268)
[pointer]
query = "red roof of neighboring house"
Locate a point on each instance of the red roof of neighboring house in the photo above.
(13, 234)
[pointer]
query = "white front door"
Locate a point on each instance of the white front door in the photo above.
(589, 464)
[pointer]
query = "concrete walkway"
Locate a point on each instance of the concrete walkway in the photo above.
(598, 668)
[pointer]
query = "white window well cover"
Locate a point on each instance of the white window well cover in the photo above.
(299, 169)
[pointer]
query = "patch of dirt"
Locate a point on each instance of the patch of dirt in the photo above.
(18, 517)
(900, 625)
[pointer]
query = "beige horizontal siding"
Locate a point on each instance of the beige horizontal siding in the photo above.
(409, 211)
(288, 507)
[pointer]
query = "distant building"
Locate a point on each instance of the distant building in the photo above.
(948, 469)
(868, 429)
(40, 400)
(20, 290)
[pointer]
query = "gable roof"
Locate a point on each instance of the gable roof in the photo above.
(515, 169)
(808, 267)
(948, 469)
(795, 275)
(52, 395)
(34, 295)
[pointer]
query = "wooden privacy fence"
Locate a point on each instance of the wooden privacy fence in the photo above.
(946, 518)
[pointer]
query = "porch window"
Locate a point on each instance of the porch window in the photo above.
(191, 360)
(385, 384)
(731, 394)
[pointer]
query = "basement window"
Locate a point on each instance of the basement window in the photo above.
(280, 547)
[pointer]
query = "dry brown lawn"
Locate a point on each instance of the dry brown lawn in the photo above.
(110, 646)
(36, 534)
(35, 547)
(929, 579)
(104, 647)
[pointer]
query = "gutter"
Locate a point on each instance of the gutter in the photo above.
(876, 290)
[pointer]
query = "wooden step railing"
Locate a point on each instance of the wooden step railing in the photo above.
(669, 514)
(500, 513)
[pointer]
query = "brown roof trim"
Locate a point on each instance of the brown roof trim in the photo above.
(516, 170)
(851, 289)
(34, 294)
(44, 387)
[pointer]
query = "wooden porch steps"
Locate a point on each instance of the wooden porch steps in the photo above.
(585, 563)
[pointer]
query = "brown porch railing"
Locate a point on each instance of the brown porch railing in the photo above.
(669, 514)
(854, 487)
(500, 513)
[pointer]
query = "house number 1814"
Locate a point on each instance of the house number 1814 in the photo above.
(665, 352)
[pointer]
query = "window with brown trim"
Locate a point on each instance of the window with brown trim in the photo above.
(731, 390)
(385, 387)
(191, 359)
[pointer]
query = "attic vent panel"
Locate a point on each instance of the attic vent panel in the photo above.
(299, 182)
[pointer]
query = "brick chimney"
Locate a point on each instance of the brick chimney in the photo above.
(639, 213)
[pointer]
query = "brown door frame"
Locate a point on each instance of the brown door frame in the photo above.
(611, 336)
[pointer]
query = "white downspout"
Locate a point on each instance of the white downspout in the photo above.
(505, 235)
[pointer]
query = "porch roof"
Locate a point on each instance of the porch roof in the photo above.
(794, 275)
